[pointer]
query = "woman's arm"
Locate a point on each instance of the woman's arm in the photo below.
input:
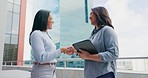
(111, 44)
(85, 55)
(38, 48)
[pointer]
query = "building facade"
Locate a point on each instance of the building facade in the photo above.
(14, 31)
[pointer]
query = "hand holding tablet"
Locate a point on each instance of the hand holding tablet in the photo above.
(85, 45)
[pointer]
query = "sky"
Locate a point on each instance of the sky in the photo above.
(130, 19)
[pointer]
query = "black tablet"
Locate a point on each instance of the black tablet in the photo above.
(85, 45)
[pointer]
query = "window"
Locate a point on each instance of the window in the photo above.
(14, 39)
(16, 8)
(15, 26)
(12, 28)
(10, 6)
(17, 2)
(7, 39)
(10, 1)
(9, 22)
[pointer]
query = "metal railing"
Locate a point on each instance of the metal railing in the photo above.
(125, 63)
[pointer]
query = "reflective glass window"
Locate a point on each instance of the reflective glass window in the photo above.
(16, 8)
(10, 1)
(14, 39)
(15, 25)
(17, 2)
(7, 39)
(10, 6)
(9, 22)
(13, 52)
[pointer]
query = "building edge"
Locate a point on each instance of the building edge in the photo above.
(3, 16)
(21, 32)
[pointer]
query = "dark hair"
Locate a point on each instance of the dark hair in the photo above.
(40, 21)
(102, 16)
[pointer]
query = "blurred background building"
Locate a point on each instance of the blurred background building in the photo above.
(14, 30)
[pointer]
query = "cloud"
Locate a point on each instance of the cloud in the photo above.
(131, 26)
(99, 2)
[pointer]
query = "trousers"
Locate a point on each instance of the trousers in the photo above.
(43, 71)
(108, 75)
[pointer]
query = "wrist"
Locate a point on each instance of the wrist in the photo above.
(62, 50)
(88, 57)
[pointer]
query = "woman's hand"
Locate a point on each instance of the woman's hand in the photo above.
(83, 54)
(68, 50)
(87, 56)
(72, 50)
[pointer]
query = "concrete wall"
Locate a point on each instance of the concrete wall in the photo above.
(69, 73)
(78, 73)
(3, 12)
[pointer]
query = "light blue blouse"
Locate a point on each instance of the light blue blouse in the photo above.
(106, 43)
(43, 48)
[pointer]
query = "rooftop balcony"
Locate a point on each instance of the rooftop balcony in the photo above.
(125, 70)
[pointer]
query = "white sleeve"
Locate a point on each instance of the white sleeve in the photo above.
(39, 51)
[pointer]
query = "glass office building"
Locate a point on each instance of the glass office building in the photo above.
(74, 27)
(14, 33)
(74, 21)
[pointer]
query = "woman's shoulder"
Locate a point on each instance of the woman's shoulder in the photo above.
(107, 28)
(109, 31)
(36, 33)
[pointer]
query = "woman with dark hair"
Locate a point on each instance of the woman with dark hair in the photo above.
(43, 48)
(103, 37)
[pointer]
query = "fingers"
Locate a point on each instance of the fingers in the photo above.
(68, 50)
(72, 49)
(83, 54)
(80, 55)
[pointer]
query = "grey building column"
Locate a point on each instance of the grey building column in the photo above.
(3, 16)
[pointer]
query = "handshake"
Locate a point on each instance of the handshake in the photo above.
(68, 50)
(71, 50)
